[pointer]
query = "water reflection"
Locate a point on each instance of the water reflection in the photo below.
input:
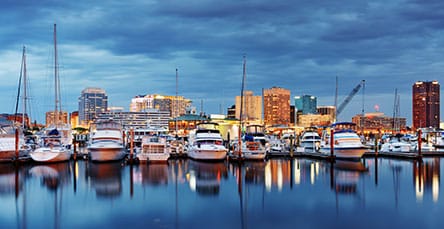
(106, 178)
(154, 174)
(246, 194)
(347, 175)
(52, 176)
(205, 177)
(9, 180)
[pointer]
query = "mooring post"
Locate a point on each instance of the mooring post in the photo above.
(419, 143)
(332, 143)
(74, 141)
(16, 144)
(131, 145)
(291, 145)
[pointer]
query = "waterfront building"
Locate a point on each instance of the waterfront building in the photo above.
(426, 104)
(20, 118)
(185, 123)
(51, 116)
(74, 119)
(308, 120)
(307, 104)
(252, 107)
(135, 120)
(276, 106)
(175, 105)
(92, 101)
(231, 112)
(377, 121)
(327, 110)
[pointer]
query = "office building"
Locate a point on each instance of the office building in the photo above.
(276, 106)
(306, 104)
(175, 105)
(251, 107)
(425, 104)
(91, 102)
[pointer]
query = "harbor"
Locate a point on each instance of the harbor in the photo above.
(186, 193)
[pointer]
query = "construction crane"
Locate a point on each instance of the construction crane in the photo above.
(349, 97)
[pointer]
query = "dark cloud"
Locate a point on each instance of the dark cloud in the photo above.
(299, 45)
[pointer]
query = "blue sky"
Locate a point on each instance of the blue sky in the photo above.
(133, 47)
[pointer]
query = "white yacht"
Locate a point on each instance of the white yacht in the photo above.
(154, 148)
(54, 147)
(106, 142)
(310, 140)
(206, 143)
(8, 143)
(254, 145)
(395, 144)
(346, 142)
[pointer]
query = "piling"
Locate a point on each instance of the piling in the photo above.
(332, 143)
(131, 145)
(16, 144)
(419, 143)
(291, 146)
(74, 141)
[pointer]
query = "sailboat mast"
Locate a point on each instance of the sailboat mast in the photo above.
(242, 94)
(177, 102)
(56, 81)
(241, 124)
(25, 93)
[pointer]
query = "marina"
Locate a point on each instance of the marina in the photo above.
(279, 192)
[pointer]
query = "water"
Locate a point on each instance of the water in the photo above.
(278, 193)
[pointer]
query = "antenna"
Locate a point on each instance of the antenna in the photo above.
(336, 99)
(177, 102)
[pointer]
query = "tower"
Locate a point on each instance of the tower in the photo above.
(425, 104)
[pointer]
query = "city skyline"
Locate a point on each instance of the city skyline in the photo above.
(134, 47)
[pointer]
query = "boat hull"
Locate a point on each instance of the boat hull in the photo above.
(50, 155)
(153, 157)
(206, 154)
(254, 155)
(345, 152)
(106, 154)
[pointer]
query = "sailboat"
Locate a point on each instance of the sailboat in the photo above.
(55, 144)
(12, 139)
(249, 146)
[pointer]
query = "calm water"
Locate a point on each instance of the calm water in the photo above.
(279, 193)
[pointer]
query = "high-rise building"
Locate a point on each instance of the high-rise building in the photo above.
(276, 106)
(252, 107)
(426, 104)
(306, 104)
(175, 105)
(91, 102)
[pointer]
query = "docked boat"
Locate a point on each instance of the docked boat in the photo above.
(395, 144)
(253, 145)
(53, 147)
(8, 147)
(310, 140)
(55, 142)
(106, 141)
(154, 149)
(206, 143)
(346, 142)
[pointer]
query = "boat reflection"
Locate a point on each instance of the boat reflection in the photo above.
(53, 176)
(106, 178)
(152, 174)
(205, 177)
(9, 180)
(347, 175)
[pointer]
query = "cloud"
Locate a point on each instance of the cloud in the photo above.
(133, 47)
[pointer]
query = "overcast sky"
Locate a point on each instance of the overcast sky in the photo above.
(133, 47)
